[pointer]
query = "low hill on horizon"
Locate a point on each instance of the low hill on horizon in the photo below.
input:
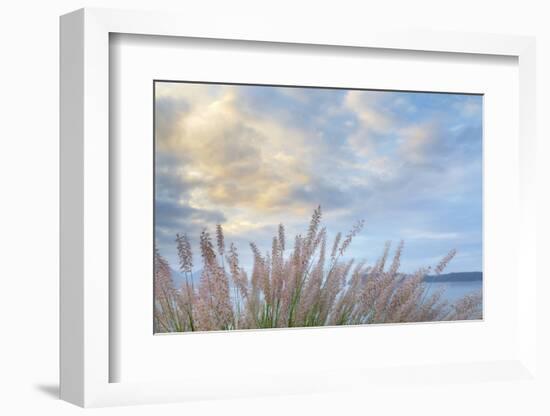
(179, 278)
(456, 277)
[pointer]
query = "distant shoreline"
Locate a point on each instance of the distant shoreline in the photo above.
(179, 278)
(456, 277)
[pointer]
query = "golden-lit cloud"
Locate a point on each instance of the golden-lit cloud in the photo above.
(238, 158)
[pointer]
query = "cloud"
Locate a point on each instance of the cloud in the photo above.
(252, 157)
(420, 143)
(429, 235)
(369, 108)
(171, 216)
(372, 119)
(470, 106)
(238, 158)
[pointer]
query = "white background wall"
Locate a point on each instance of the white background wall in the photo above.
(29, 204)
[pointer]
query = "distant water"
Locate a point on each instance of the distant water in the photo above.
(455, 290)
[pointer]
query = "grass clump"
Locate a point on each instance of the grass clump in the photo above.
(308, 285)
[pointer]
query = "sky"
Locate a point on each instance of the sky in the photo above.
(252, 157)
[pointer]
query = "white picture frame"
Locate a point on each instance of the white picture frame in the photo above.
(86, 356)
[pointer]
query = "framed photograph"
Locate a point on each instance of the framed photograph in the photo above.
(274, 212)
(233, 161)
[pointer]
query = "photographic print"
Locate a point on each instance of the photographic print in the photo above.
(288, 206)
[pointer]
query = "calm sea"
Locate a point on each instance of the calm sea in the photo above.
(455, 290)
